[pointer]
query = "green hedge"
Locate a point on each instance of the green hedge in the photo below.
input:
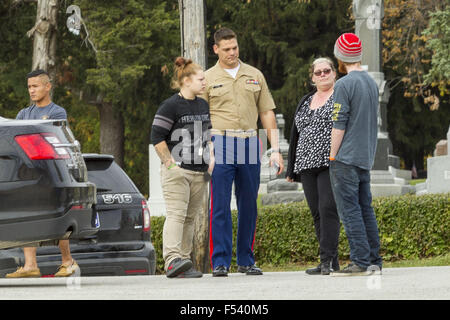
(410, 227)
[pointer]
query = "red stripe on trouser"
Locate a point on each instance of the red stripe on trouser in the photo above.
(254, 235)
(211, 244)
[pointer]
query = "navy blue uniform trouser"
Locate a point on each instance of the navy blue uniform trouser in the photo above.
(238, 160)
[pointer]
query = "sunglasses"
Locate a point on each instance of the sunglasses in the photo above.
(319, 72)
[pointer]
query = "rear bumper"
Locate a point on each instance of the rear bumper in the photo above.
(77, 222)
(133, 258)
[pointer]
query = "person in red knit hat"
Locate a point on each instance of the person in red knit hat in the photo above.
(352, 153)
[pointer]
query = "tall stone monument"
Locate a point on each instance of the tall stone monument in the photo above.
(386, 176)
(368, 16)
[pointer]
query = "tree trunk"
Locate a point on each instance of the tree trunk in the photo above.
(44, 37)
(111, 132)
(193, 46)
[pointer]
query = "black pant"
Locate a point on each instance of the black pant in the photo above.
(319, 195)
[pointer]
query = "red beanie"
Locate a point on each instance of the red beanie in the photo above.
(348, 48)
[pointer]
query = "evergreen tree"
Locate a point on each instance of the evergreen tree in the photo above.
(134, 41)
(15, 56)
(418, 112)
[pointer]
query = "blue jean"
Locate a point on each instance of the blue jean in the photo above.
(351, 189)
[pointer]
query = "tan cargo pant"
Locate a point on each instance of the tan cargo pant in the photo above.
(185, 194)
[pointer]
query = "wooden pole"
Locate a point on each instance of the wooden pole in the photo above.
(193, 46)
(44, 37)
(193, 31)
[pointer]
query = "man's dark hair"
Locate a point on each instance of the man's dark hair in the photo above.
(224, 34)
(36, 73)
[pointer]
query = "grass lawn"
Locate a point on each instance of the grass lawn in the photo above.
(413, 182)
(427, 262)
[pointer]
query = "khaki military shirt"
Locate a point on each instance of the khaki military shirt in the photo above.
(236, 103)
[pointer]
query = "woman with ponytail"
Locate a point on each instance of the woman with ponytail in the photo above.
(180, 134)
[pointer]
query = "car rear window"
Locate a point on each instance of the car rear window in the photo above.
(108, 176)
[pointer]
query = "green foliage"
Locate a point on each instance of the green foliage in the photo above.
(413, 128)
(133, 40)
(15, 56)
(410, 227)
(157, 225)
(414, 227)
(438, 33)
(285, 233)
(131, 37)
(417, 114)
(83, 119)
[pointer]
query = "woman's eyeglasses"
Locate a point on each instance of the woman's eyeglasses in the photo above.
(319, 72)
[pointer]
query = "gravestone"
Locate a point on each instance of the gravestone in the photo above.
(438, 173)
(441, 149)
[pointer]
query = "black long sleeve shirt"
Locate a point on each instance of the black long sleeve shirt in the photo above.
(184, 124)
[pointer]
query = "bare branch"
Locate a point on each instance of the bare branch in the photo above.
(87, 38)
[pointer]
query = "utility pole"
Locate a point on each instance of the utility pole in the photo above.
(193, 31)
(193, 46)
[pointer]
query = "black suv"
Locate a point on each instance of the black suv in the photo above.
(44, 190)
(122, 245)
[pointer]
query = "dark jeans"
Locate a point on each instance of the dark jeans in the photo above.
(351, 188)
(317, 187)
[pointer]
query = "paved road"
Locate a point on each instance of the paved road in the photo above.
(396, 283)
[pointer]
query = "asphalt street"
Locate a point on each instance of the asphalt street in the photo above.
(428, 283)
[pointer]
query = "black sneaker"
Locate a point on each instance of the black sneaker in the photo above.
(191, 273)
(250, 270)
(335, 264)
(178, 266)
(314, 271)
(351, 270)
(220, 271)
(325, 268)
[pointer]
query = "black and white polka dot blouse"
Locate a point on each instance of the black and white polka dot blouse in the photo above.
(314, 129)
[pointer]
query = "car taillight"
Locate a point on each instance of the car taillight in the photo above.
(42, 146)
(145, 216)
